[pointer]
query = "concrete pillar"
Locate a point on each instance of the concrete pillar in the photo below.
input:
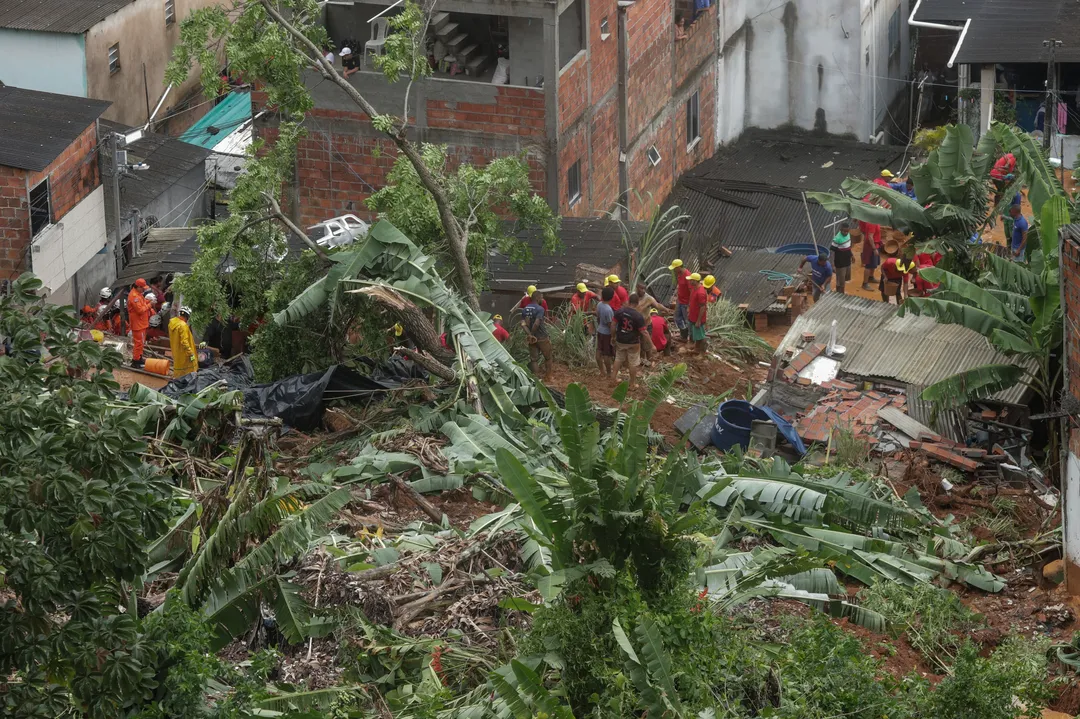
(1071, 523)
(988, 83)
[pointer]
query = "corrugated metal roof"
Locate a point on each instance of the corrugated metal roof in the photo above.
(228, 115)
(166, 249)
(945, 11)
(743, 279)
(912, 349)
(594, 241)
(36, 127)
(1004, 31)
(63, 16)
(169, 160)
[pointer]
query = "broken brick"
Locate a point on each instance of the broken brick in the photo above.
(790, 374)
(803, 381)
(808, 336)
(915, 444)
(973, 452)
(841, 384)
(951, 458)
(989, 414)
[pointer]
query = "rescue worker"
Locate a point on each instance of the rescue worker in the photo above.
(698, 314)
(582, 299)
(139, 310)
(884, 179)
(713, 292)
(532, 319)
(622, 296)
(647, 302)
(88, 316)
(529, 292)
(184, 359)
(499, 331)
(155, 331)
(895, 270)
(661, 333)
(682, 298)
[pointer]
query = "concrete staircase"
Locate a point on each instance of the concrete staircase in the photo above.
(458, 43)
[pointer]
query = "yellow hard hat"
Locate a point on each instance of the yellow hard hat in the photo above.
(97, 335)
(652, 310)
(613, 279)
(582, 287)
(887, 174)
(695, 277)
(497, 318)
(398, 329)
(675, 264)
(530, 289)
(709, 281)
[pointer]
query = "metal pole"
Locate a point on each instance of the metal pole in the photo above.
(806, 206)
(118, 247)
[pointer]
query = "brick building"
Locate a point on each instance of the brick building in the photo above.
(52, 210)
(602, 99)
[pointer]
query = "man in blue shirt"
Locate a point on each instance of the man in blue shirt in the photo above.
(532, 320)
(821, 272)
(906, 187)
(1019, 233)
(605, 350)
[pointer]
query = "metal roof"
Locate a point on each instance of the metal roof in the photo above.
(594, 241)
(1005, 31)
(226, 117)
(166, 249)
(745, 277)
(912, 349)
(169, 160)
(36, 127)
(63, 16)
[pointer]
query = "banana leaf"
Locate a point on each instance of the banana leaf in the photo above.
(955, 313)
(1014, 277)
(978, 383)
(972, 294)
(1032, 163)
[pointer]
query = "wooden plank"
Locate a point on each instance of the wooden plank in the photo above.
(904, 423)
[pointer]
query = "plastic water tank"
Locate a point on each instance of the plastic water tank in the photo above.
(734, 420)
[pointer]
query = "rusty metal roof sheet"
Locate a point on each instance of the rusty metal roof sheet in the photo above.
(62, 16)
(912, 349)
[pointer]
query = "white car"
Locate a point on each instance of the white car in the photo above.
(338, 231)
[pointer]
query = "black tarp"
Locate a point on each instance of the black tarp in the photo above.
(299, 400)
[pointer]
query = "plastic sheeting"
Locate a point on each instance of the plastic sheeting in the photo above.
(299, 401)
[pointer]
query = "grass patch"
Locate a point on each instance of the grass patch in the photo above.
(731, 336)
(849, 449)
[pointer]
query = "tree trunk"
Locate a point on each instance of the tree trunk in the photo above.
(454, 233)
(415, 322)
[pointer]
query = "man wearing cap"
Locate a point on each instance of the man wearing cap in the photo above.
(498, 330)
(527, 299)
(698, 313)
(532, 319)
(661, 333)
(821, 272)
(605, 317)
(621, 293)
(682, 298)
(183, 344)
(582, 300)
(884, 178)
(349, 62)
(139, 310)
(712, 291)
(894, 270)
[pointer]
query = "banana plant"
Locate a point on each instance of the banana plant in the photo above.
(1016, 307)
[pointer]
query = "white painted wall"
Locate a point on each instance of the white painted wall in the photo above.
(1072, 518)
(45, 61)
(808, 63)
(61, 250)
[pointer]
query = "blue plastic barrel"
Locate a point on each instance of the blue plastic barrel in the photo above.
(733, 423)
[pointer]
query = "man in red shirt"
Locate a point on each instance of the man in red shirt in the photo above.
(682, 297)
(528, 299)
(582, 299)
(661, 333)
(698, 313)
(621, 295)
(499, 331)
(883, 178)
(895, 270)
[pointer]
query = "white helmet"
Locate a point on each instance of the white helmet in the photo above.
(106, 293)
(155, 321)
(150, 297)
(185, 310)
(165, 307)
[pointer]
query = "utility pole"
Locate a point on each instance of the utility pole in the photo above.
(1050, 122)
(118, 245)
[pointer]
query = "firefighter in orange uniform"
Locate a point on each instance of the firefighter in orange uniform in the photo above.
(139, 311)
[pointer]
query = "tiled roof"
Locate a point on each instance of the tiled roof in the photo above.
(912, 349)
(62, 16)
(594, 241)
(36, 127)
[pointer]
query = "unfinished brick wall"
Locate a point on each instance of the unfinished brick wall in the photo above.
(72, 177)
(575, 150)
(705, 85)
(700, 41)
(516, 111)
(1070, 278)
(604, 173)
(573, 91)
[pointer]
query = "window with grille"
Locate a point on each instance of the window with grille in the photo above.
(114, 58)
(40, 207)
(895, 25)
(693, 121)
(170, 12)
(573, 182)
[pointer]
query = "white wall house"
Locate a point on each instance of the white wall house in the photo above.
(831, 65)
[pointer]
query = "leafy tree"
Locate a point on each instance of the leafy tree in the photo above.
(478, 195)
(271, 42)
(77, 507)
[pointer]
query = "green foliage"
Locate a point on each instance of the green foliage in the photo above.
(571, 343)
(851, 449)
(929, 138)
(1009, 684)
(403, 53)
(933, 619)
(730, 334)
(643, 256)
(77, 507)
(480, 197)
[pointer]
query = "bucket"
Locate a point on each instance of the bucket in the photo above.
(157, 366)
(734, 420)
